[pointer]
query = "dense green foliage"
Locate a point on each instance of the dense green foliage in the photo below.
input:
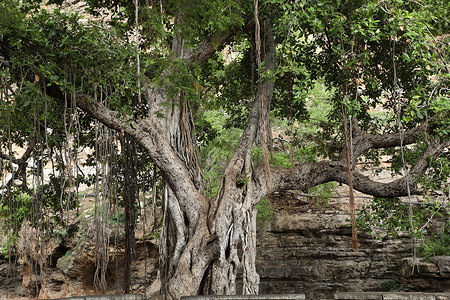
(437, 244)
(392, 285)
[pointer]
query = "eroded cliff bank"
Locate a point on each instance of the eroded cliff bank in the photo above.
(307, 248)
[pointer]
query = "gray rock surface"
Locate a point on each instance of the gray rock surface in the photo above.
(392, 296)
(307, 249)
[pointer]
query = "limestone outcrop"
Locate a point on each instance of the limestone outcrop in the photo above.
(307, 248)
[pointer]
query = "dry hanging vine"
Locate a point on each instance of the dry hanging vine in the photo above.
(264, 117)
(397, 97)
(350, 181)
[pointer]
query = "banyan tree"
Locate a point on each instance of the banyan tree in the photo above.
(133, 80)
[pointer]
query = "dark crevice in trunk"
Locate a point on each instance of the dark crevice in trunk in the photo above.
(129, 196)
(227, 252)
(205, 283)
(186, 220)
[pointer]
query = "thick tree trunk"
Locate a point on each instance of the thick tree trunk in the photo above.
(200, 245)
(184, 227)
(227, 227)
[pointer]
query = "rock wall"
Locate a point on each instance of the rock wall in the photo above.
(306, 248)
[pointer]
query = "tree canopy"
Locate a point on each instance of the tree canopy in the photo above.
(191, 88)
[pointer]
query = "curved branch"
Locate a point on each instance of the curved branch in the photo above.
(265, 91)
(311, 174)
(150, 132)
(25, 155)
(211, 43)
(363, 141)
(20, 172)
(241, 161)
(21, 163)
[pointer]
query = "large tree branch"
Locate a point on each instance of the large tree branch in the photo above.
(311, 174)
(206, 48)
(21, 164)
(264, 93)
(150, 132)
(25, 155)
(363, 141)
(240, 164)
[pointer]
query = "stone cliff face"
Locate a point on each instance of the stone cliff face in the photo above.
(306, 248)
